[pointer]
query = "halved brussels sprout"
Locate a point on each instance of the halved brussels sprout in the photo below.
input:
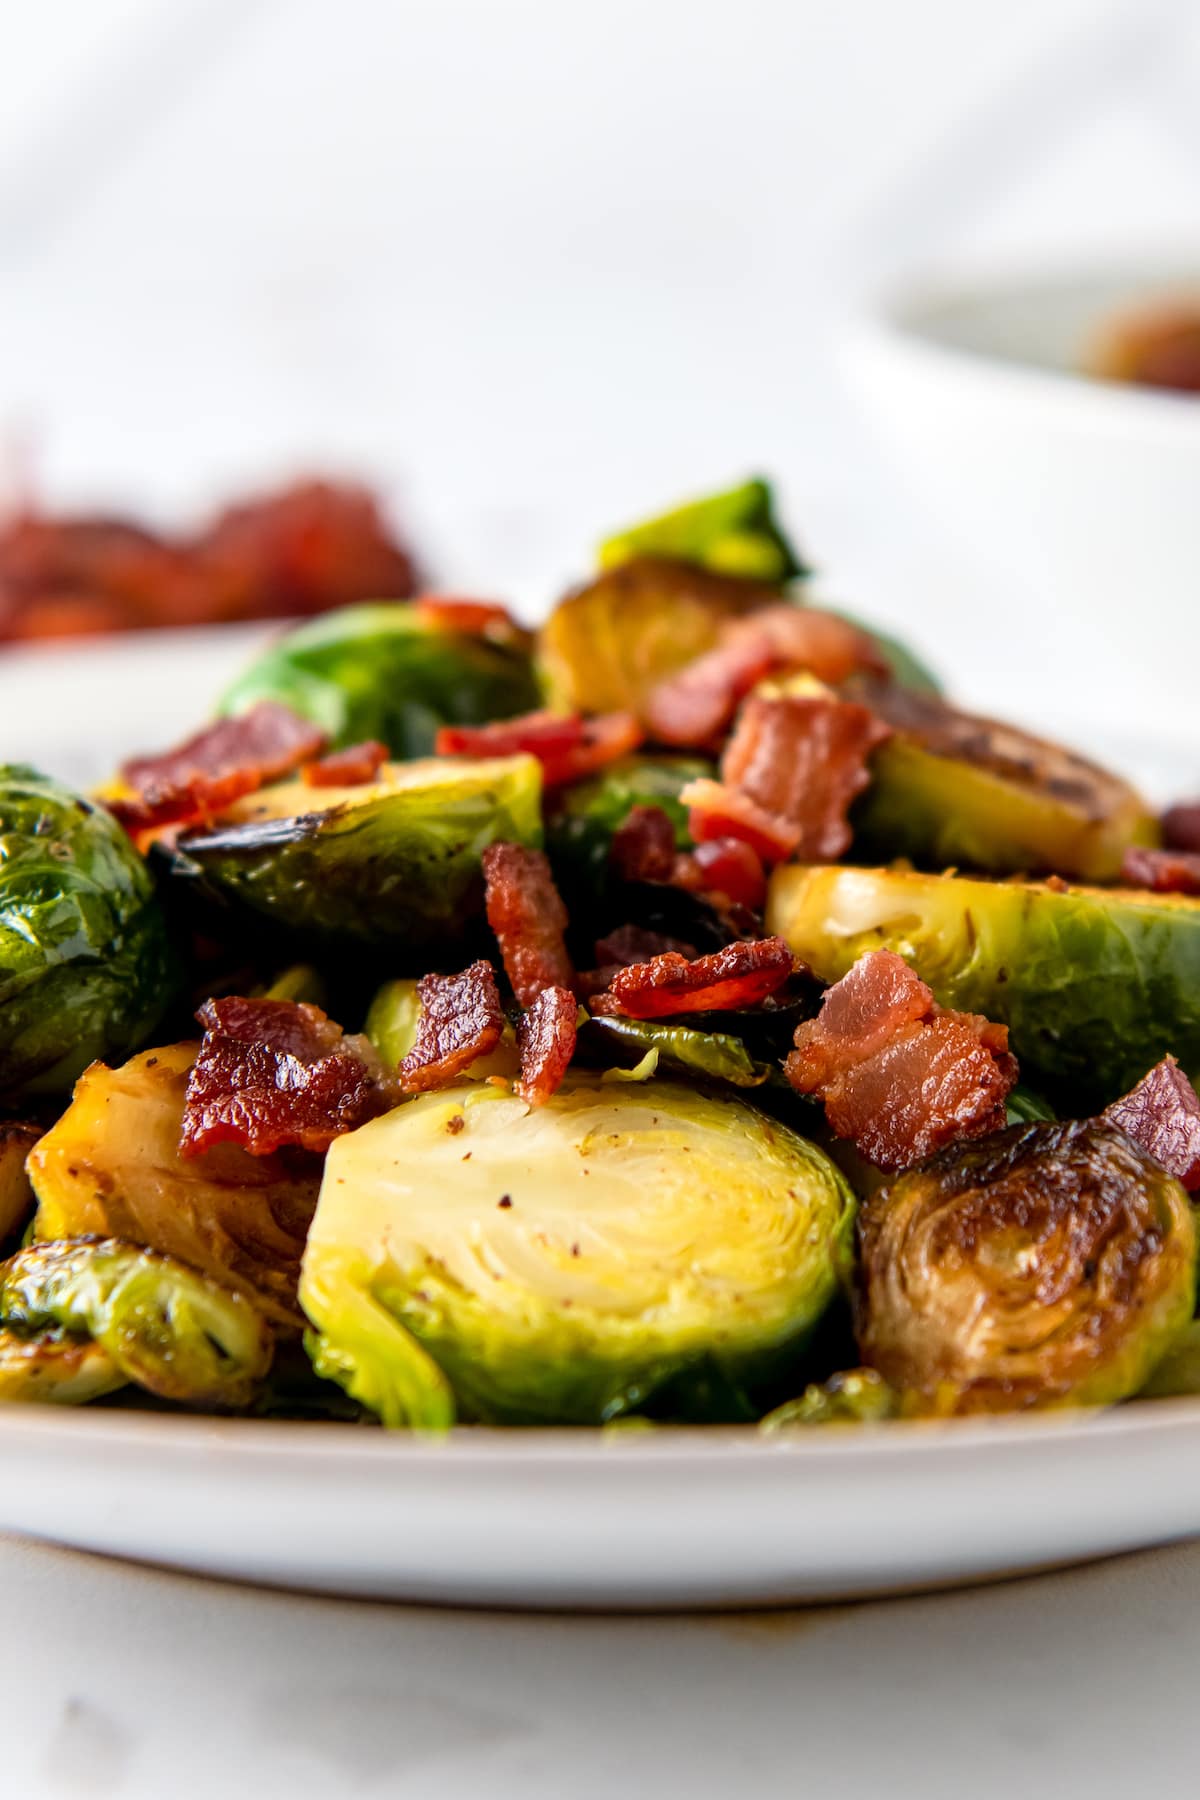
(851, 1397)
(949, 789)
(393, 862)
(378, 671)
(111, 1166)
(85, 969)
(392, 1028)
(564, 1262)
(162, 1325)
(607, 644)
(56, 1370)
(1049, 1265)
(731, 533)
(1095, 984)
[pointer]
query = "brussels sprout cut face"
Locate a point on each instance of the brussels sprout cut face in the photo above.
(394, 862)
(85, 969)
(1046, 1266)
(561, 1264)
(1095, 984)
(377, 671)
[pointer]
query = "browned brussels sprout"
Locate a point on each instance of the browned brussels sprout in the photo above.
(1050, 1265)
(951, 789)
(851, 1397)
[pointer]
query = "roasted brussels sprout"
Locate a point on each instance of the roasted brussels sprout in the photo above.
(393, 863)
(732, 533)
(111, 1166)
(392, 1028)
(52, 1369)
(1095, 984)
(1179, 1371)
(162, 1325)
(378, 671)
(562, 1263)
(950, 789)
(580, 831)
(1049, 1265)
(852, 1397)
(85, 968)
(717, 1055)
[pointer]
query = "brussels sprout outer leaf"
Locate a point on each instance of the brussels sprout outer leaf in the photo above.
(852, 1397)
(731, 533)
(564, 1262)
(393, 863)
(85, 966)
(166, 1327)
(1094, 984)
(378, 671)
(716, 1054)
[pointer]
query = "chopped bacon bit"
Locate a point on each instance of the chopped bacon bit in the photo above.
(1162, 1116)
(275, 1072)
(643, 845)
(804, 759)
(216, 767)
(1163, 871)
(568, 746)
(546, 1041)
(716, 811)
(526, 913)
(347, 768)
(1181, 826)
(692, 708)
(897, 1073)
(723, 865)
(460, 1020)
(742, 974)
(469, 618)
(627, 945)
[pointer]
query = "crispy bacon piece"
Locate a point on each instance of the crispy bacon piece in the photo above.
(693, 707)
(276, 1072)
(898, 1074)
(643, 845)
(469, 618)
(567, 745)
(526, 913)
(546, 1041)
(717, 811)
(743, 974)
(350, 767)
(1163, 871)
(461, 1019)
(626, 945)
(804, 759)
(216, 767)
(1162, 1116)
(1181, 826)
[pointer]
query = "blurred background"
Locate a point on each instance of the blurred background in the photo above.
(536, 269)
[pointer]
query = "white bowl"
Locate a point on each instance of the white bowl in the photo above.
(1079, 498)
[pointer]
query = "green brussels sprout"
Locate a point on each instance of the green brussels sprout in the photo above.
(161, 1324)
(391, 1026)
(85, 967)
(950, 789)
(394, 862)
(1095, 984)
(731, 533)
(851, 1397)
(1049, 1265)
(580, 830)
(1178, 1373)
(55, 1370)
(563, 1263)
(1024, 1107)
(716, 1055)
(378, 671)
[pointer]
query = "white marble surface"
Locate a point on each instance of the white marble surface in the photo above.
(133, 1684)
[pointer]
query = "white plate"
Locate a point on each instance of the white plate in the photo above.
(551, 1518)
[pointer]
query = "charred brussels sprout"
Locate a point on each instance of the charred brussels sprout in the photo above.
(85, 969)
(160, 1324)
(1095, 984)
(565, 1262)
(949, 788)
(732, 533)
(379, 671)
(1049, 1265)
(393, 862)
(111, 1166)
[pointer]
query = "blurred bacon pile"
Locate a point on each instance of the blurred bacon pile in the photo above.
(308, 547)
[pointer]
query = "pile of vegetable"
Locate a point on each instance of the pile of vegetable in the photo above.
(684, 1013)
